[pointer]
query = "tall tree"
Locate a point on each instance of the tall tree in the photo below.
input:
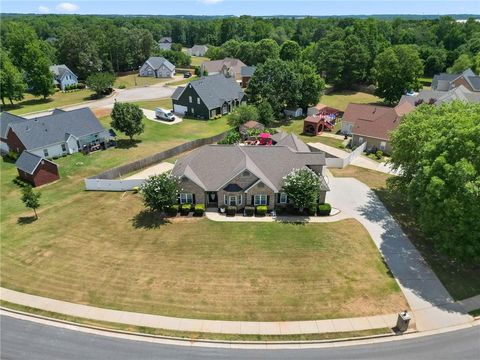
(462, 63)
(302, 187)
(127, 118)
(12, 85)
(397, 69)
(241, 114)
(37, 71)
(100, 82)
(266, 49)
(290, 50)
(160, 192)
(18, 37)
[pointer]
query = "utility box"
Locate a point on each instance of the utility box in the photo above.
(403, 320)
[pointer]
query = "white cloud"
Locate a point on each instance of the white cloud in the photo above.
(43, 9)
(209, 2)
(67, 7)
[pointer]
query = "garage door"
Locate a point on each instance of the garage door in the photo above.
(179, 109)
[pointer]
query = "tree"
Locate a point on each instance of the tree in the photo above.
(462, 63)
(436, 148)
(311, 85)
(241, 114)
(12, 85)
(476, 64)
(290, 50)
(265, 113)
(100, 82)
(18, 37)
(397, 69)
(160, 192)
(233, 137)
(37, 71)
(31, 199)
(302, 187)
(127, 118)
(176, 47)
(265, 49)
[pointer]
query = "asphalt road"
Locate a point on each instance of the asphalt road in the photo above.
(21, 339)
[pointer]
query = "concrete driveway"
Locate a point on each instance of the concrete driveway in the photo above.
(432, 305)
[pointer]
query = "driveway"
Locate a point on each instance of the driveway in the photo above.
(432, 305)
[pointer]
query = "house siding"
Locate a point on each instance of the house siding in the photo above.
(261, 189)
(188, 186)
(199, 110)
(462, 81)
(45, 173)
(64, 81)
(371, 143)
(14, 142)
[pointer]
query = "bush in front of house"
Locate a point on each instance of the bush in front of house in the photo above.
(249, 210)
(199, 210)
(324, 209)
(172, 210)
(231, 210)
(312, 210)
(185, 209)
(261, 210)
(379, 154)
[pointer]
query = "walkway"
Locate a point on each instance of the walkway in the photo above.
(336, 216)
(196, 325)
(471, 304)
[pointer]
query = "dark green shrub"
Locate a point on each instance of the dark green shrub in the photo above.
(231, 210)
(11, 156)
(281, 210)
(81, 86)
(261, 210)
(172, 210)
(324, 209)
(312, 209)
(199, 209)
(185, 209)
(379, 154)
(19, 182)
(249, 210)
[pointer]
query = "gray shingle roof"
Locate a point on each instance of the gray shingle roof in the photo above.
(443, 81)
(213, 166)
(214, 90)
(157, 61)
(178, 91)
(247, 70)
(59, 70)
(28, 162)
(51, 129)
(460, 93)
(166, 39)
(291, 141)
(199, 48)
(6, 119)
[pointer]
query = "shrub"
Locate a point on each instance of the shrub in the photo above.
(12, 156)
(249, 210)
(261, 210)
(81, 86)
(199, 209)
(172, 210)
(312, 209)
(379, 154)
(122, 86)
(281, 210)
(231, 210)
(19, 182)
(185, 209)
(324, 209)
(135, 189)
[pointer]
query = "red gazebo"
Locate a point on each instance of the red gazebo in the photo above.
(314, 125)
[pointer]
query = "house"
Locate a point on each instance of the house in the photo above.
(435, 97)
(165, 43)
(446, 82)
(293, 112)
(58, 134)
(241, 175)
(373, 124)
(208, 97)
(228, 67)
(63, 76)
(6, 119)
(248, 126)
(322, 109)
(35, 169)
(158, 67)
(197, 50)
(246, 73)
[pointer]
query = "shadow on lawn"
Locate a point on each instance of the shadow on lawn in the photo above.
(25, 220)
(146, 219)
(127, 144)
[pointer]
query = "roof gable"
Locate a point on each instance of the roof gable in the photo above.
(155, 62)
(215, 90)
(6, 119)
(28, 162)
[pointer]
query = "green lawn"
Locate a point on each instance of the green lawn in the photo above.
(152, 104)
(182, 81)
(133, 80)
(198, 60)
(59, 99)
(340, 99)
(460, 280)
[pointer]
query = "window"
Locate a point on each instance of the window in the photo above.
(198, 100)
(189, 99)
(283, 198)
(260, 200)
(383, 145)
(186, 198)
(45, 152)
(193, 111)
(360, 140)
(232, 200)
(64, 148)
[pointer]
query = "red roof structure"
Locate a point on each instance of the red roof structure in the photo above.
(314, 125)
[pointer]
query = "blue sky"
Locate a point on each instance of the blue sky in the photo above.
(242, 7)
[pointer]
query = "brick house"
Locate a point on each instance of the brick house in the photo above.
(36, 170)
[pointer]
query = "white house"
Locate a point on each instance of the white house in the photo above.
(197, 50)
(165, 43)
(63, 76)
(157, 67)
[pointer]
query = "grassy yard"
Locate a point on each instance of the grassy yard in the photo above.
(133, 80)
(460, 280)
(198, 60)
(340, 99)
(152, 104)
(182, 81)
(59, 99)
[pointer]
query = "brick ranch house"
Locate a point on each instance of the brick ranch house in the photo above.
(240, 175)
(36, 170)
(373, 124)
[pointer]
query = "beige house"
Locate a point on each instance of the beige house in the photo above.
(228, 67)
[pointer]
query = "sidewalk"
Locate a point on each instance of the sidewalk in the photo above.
(471, 304)
(197, 325)
(215, 216)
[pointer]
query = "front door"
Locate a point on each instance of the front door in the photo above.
(212, 198)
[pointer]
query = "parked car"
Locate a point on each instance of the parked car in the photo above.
(187, 74)
(163, 114)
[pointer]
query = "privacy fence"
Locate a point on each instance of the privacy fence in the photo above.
(110, 180)
(340, 163)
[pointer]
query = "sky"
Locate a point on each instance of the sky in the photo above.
(242, 7)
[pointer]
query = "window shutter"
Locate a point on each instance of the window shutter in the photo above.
(278, 198)
(178, 198)
(268, 199)
(253, 200)
(239, 199)
(225, 199)
(193, 198)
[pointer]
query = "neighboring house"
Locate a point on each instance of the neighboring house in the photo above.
(63, 76)
(158, 67)
(58, 134)
(208, 97)
(197, 50)
(165, 43)
(246, 73)
(293, 112)
(6, 119)
(240, 175)
(228, 67)
(446, 82)
(435, 97)
(322, 109)
(35, 169)
(373, 124)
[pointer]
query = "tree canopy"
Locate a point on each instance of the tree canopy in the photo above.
(302, 187)
(437, 149)
(127, 118)
(100, 82)
(160, 191)
(241, 114)
(12, 85)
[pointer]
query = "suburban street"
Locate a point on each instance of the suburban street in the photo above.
(22, 339)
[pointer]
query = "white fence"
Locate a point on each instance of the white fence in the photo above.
(112, 185)
(340, 163)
